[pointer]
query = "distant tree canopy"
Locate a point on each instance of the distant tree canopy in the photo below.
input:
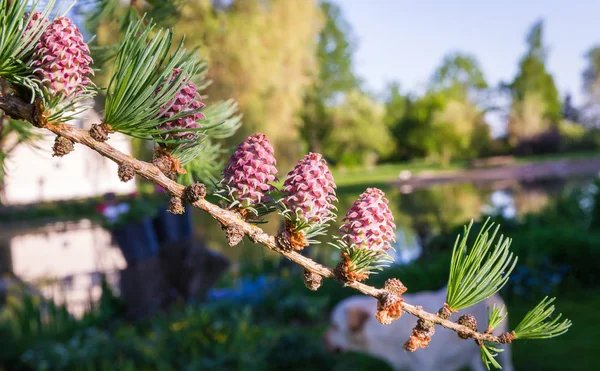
(590, 114)
(591, 74)
(459, 76)
(289, 64)
(446, 122)
(335, 77)
(263, 55)
(533, 91)
(359, 135)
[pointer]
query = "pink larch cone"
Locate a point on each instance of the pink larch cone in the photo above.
(187, 99)
(309, 190)
(250, 171)
(369, 223)
(62, 59)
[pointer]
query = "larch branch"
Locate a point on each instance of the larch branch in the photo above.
(18, 109)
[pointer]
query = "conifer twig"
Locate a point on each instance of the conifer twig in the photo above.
(19, 109)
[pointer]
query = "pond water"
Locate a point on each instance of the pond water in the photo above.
(66, 260)
(419, 214)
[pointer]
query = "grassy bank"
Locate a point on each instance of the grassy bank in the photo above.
(385, 173)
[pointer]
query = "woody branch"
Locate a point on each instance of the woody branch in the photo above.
(19, 109)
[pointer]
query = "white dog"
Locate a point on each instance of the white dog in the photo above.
(355, 328)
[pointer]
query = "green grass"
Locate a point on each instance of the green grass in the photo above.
(385, 173)
(574, 350)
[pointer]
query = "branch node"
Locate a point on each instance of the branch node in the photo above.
(389, 308)
(417, 340)
(507, 337)
(289, 240)
(395, 286)
(445, 311)
(345, 270)
(425, 329)
(100, 132)
(194, 192)
(234, 234)
(62, 146)
(126, 172)
(175, 206)
(167, 163)
(312, 280)
(468, 321)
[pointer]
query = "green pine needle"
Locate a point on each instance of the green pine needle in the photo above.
(537, 323)
(495, 317)
(222, 119)
(300, 223)
(488, 355)
(205, 166)
(16, 45)
(479, 272)
(143, 64)
(365, 261)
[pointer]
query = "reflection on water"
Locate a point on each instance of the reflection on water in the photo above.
(65, 260)
(419, 215)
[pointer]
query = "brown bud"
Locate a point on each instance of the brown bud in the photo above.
(389, 308)
(507, 337)
(99, 132)
(62, 146)
(175, 206)
(345, 270)
(417, 340)
(290, 240)
(126, 172)
(194, 192)
(445, 311)
(468, 321)
(312, 280)
(421, 335)
(164, 164)
(234, 234)
(395, 285)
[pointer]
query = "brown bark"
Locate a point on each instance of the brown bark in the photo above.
(21, 110)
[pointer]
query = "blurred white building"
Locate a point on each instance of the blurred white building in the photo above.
(33, 175)
(64, 261)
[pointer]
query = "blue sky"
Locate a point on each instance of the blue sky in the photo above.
(405, 40)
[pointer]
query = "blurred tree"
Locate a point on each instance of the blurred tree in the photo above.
(533, 87)
(413, 132)
(569, 111)
(590, 112)
(527, 117)
(359, 135)
(395, 104)
(591, 74)
(459, 76)
(447, 120)
(334, 77)
(262, 53)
